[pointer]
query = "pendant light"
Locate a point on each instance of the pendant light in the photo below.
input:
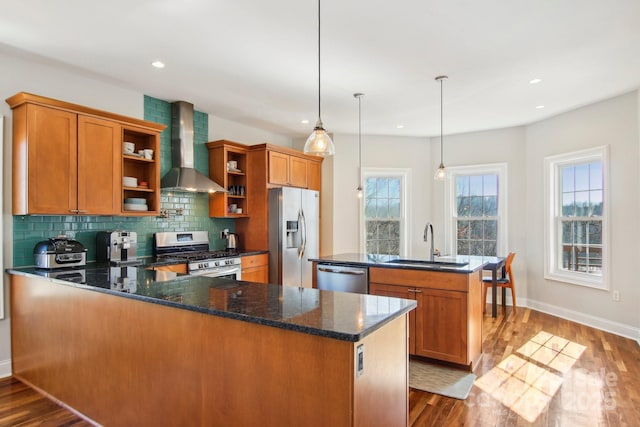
(441, 173)
(319, 142)
(359, 189)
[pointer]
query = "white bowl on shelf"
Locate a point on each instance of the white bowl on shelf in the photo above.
(129, 181)
(135, 201)
(135, 207)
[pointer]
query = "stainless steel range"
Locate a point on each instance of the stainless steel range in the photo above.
(193, 248)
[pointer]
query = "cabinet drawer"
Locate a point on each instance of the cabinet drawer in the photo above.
(254, 260)
(420, 278)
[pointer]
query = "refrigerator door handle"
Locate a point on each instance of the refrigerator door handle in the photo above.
(303, 233)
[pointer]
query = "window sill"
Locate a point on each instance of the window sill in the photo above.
(580, 279)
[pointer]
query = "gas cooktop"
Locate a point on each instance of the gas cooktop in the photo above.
(201, 255)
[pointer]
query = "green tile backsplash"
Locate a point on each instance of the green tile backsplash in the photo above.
(29, 230)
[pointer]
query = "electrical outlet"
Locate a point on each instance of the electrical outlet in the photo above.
(616, 295)
(224, 233)
(359, 360)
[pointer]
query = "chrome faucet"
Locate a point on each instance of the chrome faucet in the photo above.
(427, 228)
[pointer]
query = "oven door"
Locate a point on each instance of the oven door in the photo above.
(233, 272)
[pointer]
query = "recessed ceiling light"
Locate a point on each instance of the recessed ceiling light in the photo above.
(535, 81)
(399, 126)
(158, 64)
(304, 122)
(539, 107)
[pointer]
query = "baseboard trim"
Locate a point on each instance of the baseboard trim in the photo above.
(5, 368)
(587, 319)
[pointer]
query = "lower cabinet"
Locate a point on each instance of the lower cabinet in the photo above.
(447, 323)
(255, 268)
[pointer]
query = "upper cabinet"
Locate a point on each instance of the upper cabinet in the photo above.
(143, 165)
(68, 159)
(288, 167)
(228, 167)
(293, 170)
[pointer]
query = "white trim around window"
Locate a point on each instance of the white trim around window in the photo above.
(553, 206)
(499, 169)
(405, 204)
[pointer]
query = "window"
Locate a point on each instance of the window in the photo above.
(476, 210)
(477, 214)
(576, 221)
(384, 211)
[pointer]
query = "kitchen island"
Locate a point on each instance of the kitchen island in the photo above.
(447, 322)
(155, 348)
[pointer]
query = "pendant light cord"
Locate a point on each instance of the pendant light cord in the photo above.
(319, 115)
(359, 133)
(441, 121)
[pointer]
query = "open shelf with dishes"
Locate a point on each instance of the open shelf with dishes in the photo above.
(140, 172)
(228, 167)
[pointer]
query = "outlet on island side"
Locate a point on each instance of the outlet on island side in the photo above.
(616, 295)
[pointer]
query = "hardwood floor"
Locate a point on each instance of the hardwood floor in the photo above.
(526, 357)
(598, 387)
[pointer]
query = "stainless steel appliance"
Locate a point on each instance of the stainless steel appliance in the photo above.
(117, 247)
(342, 278)
(293, 235)
(232, 241)
(193, 248)
(59, 252)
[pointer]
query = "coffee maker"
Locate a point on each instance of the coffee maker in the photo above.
(116, 247)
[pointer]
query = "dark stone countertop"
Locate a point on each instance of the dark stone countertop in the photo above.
(464, 264)
(337, 315)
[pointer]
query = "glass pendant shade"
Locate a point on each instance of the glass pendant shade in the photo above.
(441, 173)
(319, 142)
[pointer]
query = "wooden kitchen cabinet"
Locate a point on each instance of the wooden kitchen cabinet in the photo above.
(447, 323)
(255, 268)
(288, 170)
(145, 170)
(398, 291)
(235, 181)
(67, 159)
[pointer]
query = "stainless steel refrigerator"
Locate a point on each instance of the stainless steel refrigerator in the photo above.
(294, 232)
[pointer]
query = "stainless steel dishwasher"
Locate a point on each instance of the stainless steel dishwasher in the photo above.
(342, 278)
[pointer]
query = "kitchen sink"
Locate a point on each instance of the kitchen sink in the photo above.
(425, 263)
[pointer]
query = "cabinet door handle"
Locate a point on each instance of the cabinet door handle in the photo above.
(74, 210)
(415, 291)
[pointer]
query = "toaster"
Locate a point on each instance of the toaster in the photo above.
(59, 252)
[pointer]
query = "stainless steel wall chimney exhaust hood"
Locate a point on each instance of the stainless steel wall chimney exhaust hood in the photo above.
(183, 176)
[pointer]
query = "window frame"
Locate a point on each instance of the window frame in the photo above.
(405, 181)
(451, 214)
(553, 210)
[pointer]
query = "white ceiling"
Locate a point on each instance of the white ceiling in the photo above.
(255, 61)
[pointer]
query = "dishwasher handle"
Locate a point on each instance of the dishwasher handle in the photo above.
(330, 270)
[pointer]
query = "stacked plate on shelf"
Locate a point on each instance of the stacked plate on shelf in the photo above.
(135, 204)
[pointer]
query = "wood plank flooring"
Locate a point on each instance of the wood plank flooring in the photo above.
(597, 387)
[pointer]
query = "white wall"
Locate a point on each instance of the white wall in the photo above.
(220, 128)
(613, 122)
(379, 152)
(494, 146)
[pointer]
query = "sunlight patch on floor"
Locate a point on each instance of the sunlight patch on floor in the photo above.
(527, 381)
